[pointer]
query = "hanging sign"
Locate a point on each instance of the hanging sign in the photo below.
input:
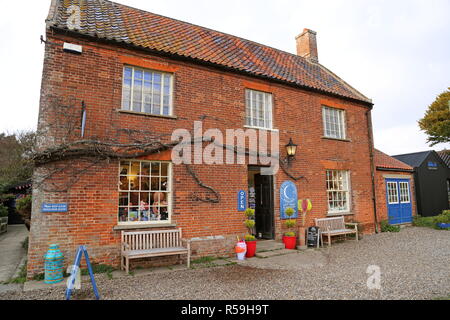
(288, 199)
(242, 200)
(55, 207)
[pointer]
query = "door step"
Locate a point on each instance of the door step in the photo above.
(268, 245)
(274, 253)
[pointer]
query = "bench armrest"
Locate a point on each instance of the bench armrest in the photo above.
(125, 247)
(352, 224)
(187, 243)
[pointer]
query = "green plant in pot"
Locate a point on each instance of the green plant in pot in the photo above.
(250, 239)
(290, 238)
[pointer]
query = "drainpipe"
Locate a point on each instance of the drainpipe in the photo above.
(372, 165)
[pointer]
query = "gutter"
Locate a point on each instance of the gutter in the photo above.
(372, 166)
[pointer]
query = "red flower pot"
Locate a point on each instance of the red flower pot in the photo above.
(289, 242)
(251, 248)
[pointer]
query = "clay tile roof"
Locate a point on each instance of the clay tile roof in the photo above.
(108, 20)
(383, 161)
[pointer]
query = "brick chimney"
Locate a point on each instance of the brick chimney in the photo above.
(307, 45)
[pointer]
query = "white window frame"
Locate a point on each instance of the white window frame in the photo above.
(340, 127)
(169, 195)
(163, 75)
(391, 198)
(267, 110)
(401, 190)
(346, 191)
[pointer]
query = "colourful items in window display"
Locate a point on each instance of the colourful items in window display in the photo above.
(144, 190)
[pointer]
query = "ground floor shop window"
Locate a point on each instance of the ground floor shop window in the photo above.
(144, 192)
(338, 190)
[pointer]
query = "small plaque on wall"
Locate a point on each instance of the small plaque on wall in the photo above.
(55, 207)
(242, 200)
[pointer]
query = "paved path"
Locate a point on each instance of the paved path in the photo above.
(11, 250)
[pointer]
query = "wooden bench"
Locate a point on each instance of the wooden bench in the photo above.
(145, 244)
(335, 227)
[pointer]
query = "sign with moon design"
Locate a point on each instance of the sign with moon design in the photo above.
(288, 199)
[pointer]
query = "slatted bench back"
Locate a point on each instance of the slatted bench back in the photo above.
(331, 224)
(147, 240)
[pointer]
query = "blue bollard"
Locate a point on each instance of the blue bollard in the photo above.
(54, 263)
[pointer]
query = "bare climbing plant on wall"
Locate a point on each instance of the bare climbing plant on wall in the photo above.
(60, 141)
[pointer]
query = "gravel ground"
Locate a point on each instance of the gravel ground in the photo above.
(414, 265)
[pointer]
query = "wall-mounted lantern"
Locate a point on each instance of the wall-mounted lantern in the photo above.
(291, 150)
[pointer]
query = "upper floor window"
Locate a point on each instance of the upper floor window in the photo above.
(334, 123)
(147, 91)
(258, 109)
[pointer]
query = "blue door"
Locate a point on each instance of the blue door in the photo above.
(398, 196)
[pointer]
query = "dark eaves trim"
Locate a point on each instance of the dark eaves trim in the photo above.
(206, 63)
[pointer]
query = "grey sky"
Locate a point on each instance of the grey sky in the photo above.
(395, 52)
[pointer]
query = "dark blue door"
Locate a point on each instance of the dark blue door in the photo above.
(398, 196)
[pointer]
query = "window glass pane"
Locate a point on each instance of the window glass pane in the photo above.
(128, 72)
(146, 91)
(134, 182)
(155, 184)
(124, 183)
(124, 168)
(155, 168)
(333, 120)
(145, 168)
(338, 190)
(137, 95)
(123, 199)
(134, 198)
(138, 74)
(135, 168)
(164, 169)
(123, 214)
(163, 184)
(258, 109)
(148, 76)
(157, 78)
(133, 214)
(145, 183)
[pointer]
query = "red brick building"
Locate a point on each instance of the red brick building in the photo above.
(395, 192)
(118, 74)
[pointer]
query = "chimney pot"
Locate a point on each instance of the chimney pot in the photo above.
(307, 45)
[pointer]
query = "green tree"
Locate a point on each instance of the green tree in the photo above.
(15, 167)
(436, 122)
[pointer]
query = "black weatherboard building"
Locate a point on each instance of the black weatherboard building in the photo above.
(432, 181)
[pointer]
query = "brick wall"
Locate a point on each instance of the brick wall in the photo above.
(96, 78)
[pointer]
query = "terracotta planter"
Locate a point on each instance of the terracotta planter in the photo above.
(289, 242)
(251, 249)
